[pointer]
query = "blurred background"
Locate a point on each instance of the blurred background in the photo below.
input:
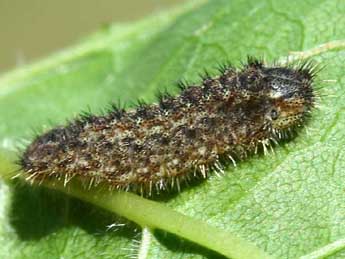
(35, 28)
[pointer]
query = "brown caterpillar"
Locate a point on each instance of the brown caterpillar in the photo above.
(158, 145)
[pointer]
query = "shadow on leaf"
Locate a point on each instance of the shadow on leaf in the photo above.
(177, 244)
(37, 212)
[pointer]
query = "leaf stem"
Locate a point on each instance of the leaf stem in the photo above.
(155, 215)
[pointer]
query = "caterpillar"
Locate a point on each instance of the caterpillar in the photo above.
(156, 146)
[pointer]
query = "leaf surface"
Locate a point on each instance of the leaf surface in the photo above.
(290, 203)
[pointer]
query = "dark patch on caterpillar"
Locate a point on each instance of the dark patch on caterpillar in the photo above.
(157, 146)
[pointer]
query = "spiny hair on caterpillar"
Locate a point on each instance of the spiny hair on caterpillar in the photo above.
(159, 146)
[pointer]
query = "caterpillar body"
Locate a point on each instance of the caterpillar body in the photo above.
(159, 145)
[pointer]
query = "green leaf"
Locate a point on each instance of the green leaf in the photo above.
(290, 203)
